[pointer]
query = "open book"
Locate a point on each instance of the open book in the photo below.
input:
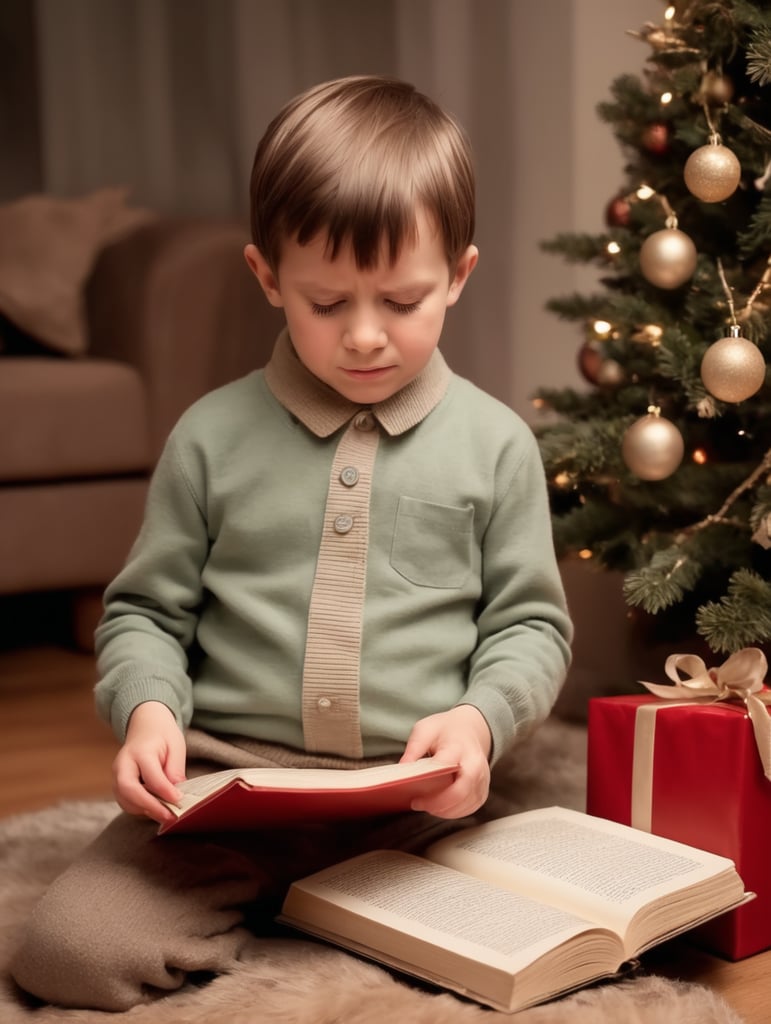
(247, 798)
(518, 910)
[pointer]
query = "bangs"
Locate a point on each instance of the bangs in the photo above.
(354, 163)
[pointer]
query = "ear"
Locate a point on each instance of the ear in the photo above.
(463, 269)
(268, 280)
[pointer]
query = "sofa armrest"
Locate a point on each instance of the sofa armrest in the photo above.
(176, 300)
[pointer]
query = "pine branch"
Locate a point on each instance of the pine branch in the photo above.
(740, 618)
(721, 516)
(759, 56)
(663, 582)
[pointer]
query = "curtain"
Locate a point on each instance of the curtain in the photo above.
(171, 96)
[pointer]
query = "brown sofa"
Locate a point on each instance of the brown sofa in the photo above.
(170, 311)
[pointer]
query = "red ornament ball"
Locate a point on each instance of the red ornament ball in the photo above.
(590, 361)
(655, 138)
(618, 212)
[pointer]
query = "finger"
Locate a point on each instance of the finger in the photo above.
(136, 800)
(176, 761)
(155, 780)
(420, 743)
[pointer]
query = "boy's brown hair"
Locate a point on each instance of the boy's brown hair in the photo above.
(354, 159)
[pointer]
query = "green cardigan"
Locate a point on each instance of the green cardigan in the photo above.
(319, 575)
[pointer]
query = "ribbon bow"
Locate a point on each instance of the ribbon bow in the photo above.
(740, 677)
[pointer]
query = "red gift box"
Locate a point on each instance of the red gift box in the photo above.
(690, 772)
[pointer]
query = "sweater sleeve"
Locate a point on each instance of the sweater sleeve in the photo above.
(151, 608)
(525, 631)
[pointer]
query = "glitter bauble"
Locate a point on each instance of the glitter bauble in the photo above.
(668, 258)
(712, 173)
(652, 447)
(733, 369)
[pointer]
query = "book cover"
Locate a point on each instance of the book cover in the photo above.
(243, 799)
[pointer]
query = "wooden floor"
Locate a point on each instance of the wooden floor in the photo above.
(54, 748)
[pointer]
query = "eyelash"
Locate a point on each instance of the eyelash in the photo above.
(403, 308)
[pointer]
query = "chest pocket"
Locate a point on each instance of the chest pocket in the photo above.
(432, 543)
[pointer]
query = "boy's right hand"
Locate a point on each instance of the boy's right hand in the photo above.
(150, 762)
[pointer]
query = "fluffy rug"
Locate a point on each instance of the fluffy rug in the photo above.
(295, 981)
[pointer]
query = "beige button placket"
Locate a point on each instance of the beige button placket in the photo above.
(333, 643)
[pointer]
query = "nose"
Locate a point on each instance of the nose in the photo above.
(364, 332)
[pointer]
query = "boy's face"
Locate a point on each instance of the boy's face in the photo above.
(365, 333)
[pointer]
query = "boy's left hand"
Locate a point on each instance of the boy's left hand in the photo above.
(458, 736)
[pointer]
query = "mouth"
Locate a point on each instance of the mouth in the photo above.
(370, 373)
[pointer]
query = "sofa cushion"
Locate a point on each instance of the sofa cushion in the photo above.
(62, 418)
(48, 247)
(67, 534)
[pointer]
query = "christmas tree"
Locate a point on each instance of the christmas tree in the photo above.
(662, 468)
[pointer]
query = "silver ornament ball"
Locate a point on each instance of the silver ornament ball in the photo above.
(733, 369)
(712, 173)
(652, 447)
(668, 258)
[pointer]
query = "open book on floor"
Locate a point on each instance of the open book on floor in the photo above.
(518, 910)
(247, 798)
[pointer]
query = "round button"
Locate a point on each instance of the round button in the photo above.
(350, 476)
(364, 421)
(343, 524)
(324, 704)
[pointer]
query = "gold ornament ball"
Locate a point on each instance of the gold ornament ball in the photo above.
(668, 258)
(610, 373)
(733, 369)
(717, 89)
(712, 173)
(652, 447)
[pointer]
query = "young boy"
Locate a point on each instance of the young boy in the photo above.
(346, 559)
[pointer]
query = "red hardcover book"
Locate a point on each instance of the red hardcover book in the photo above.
(240, 799)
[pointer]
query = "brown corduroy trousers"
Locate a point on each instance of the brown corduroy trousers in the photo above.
(138, 915)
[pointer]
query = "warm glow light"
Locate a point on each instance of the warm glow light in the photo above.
(562, 479)
(613, 248)
(602, 328)
(585, 553)
(538, 403)
(670, 12)
(645, 192)
(666, 97)
(699, 456)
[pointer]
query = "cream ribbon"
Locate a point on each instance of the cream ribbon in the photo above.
(740, 677)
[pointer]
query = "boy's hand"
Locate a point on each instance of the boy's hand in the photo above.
(150, 762)
(458, 736)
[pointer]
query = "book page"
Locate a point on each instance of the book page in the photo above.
(597, 869)
(198, 788)
(418, 913)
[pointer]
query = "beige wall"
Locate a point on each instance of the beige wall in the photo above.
(567, 165)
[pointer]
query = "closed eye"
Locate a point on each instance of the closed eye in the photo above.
(318, 310)
(403, 307)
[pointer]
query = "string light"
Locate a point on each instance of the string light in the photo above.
(645, 192)
(670, 12)
(585, 553)
(613, 248)
(602, 328)
(699, 456)
(666, 97)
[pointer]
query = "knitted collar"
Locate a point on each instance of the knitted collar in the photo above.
(323, 410)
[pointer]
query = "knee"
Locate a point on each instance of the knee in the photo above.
(61, 960)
